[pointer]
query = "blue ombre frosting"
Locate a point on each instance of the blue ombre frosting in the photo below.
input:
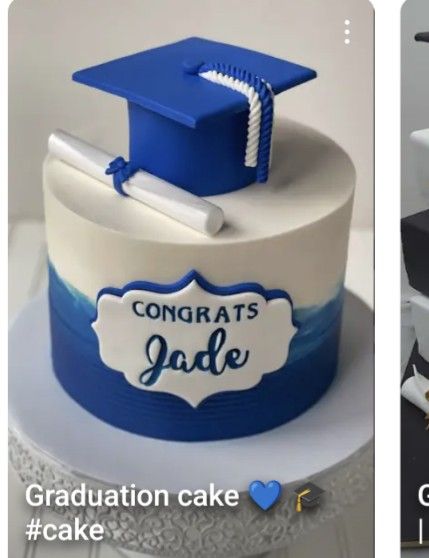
(278, 398)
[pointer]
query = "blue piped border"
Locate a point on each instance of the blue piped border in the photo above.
(193, 275)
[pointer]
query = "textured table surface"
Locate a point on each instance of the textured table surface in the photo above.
(349, 537)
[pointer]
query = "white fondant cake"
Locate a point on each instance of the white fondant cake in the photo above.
(290, 234)
(157, 328)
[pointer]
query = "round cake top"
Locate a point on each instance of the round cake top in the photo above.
(311, 178)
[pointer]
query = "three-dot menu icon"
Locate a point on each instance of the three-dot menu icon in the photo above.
(347, 31)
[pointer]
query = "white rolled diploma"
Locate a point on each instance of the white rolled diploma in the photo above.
(188, 209)
(415, 390)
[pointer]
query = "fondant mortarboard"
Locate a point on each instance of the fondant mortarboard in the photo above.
(200, 112)
(415, 248)
(422, 37)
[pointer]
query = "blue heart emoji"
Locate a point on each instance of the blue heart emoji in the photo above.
(265, 495)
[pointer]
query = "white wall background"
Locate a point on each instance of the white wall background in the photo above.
(414, 105)
(49, 39)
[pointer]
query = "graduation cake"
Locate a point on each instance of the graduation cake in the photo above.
(199, 296)
(415, 382)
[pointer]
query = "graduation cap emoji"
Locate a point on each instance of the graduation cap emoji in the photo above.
(308, 496)
(200, 112)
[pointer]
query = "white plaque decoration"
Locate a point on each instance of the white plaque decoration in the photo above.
(194, 339)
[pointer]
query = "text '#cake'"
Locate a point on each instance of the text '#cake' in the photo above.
(168, 332)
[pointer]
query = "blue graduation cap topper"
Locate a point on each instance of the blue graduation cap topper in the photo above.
(200, 112)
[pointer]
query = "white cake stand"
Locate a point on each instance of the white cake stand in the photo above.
(57, 444)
